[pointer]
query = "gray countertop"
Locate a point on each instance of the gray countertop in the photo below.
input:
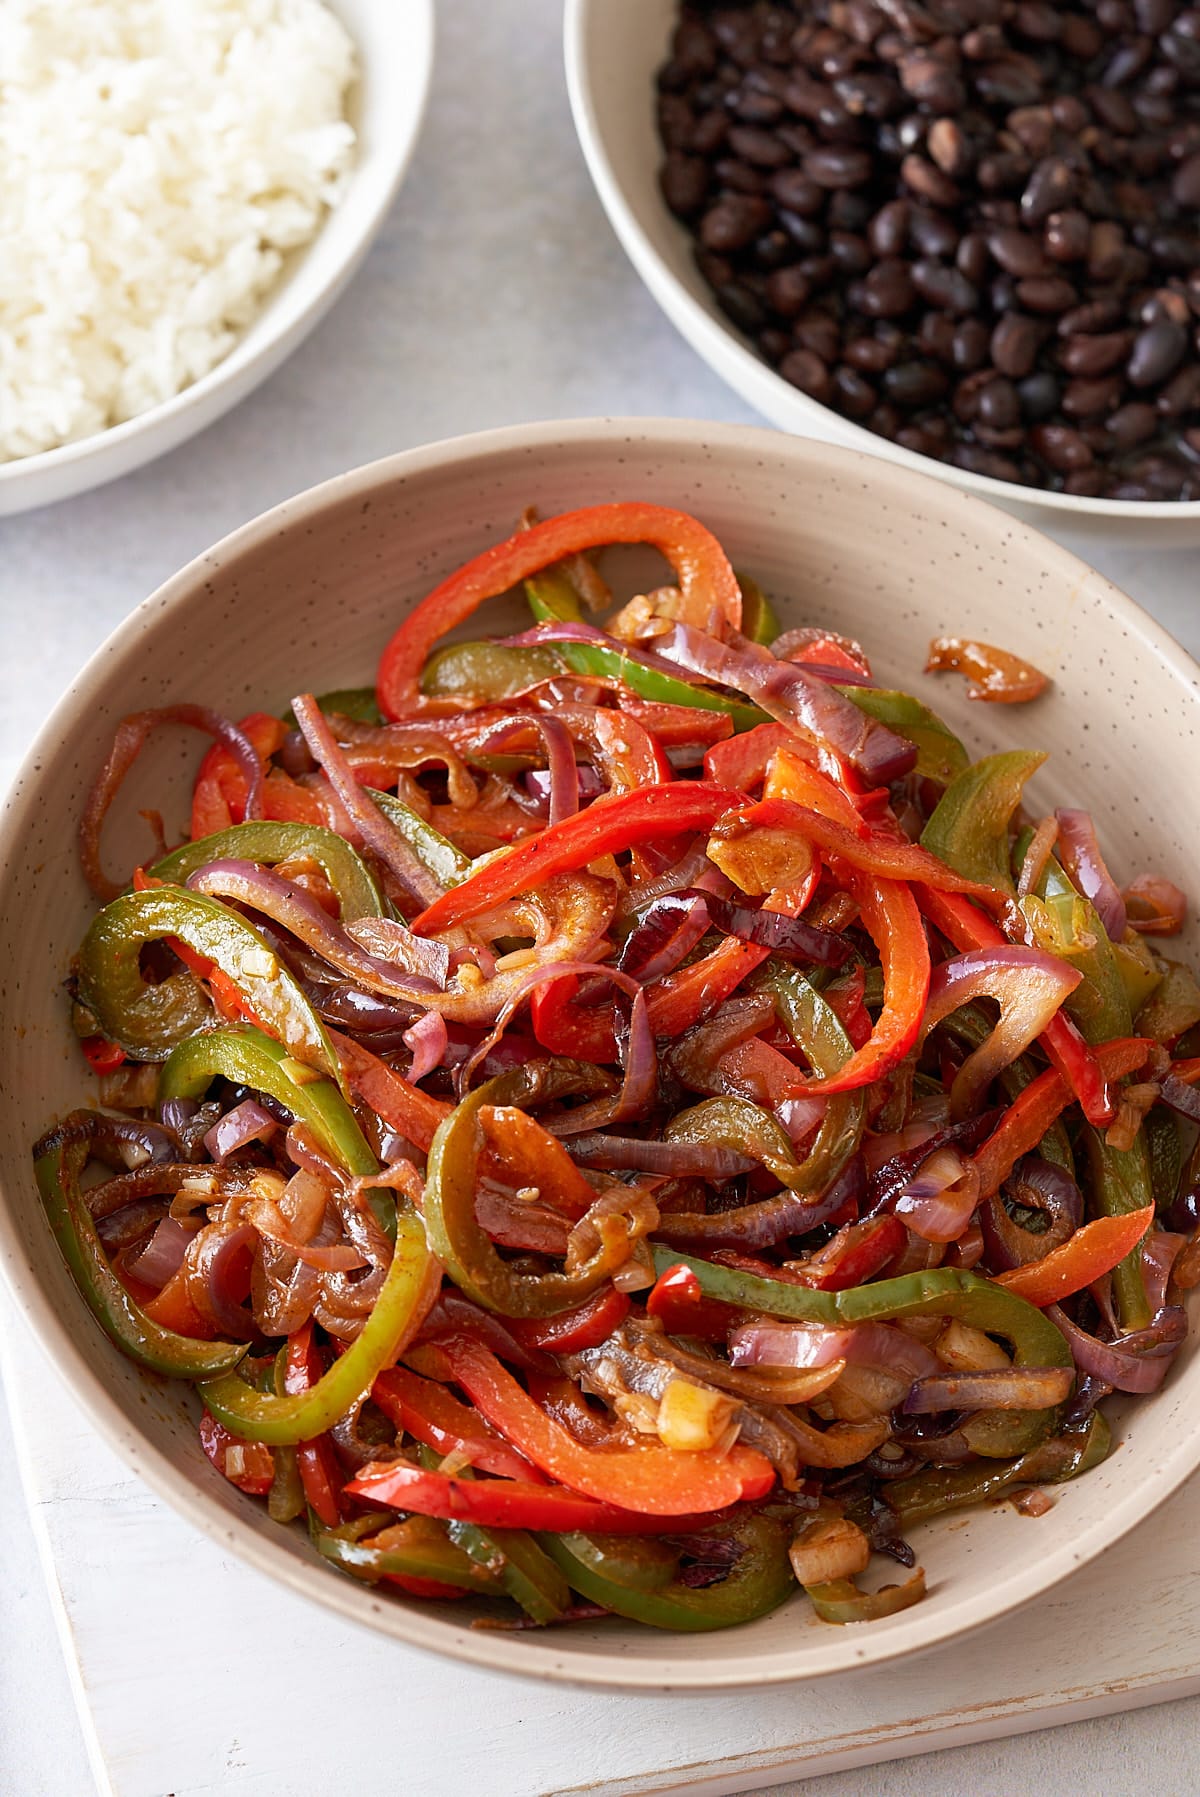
(496, 294)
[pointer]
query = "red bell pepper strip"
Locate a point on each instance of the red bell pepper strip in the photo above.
(320, 1474)
(1086, 1256)
(742, 761)
(402, 1105)
(761, 1073)
(855, 1254)
(879, 855)
(434, 1416)
(102, 1055)
(790, 776)
(1035, 1109)
(220, 793)
(526, 1151)
(1188, 1071)
(606, 827)
(678, 726)
(964, 925)
(889, 913)
(228, 997)
(846, 998)
(681, 999)
(681, 1307)
(584, 1032)
(254, 1461)
(573, 1330)
(510, 1503)
(643, 1477)
(174, 1309)
(701, 568)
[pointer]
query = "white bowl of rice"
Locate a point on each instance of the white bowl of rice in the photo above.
(187, 189)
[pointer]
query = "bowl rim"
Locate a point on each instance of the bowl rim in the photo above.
(608, 1669)
(209, 393)
(724, 349)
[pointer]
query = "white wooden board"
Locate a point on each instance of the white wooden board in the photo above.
(194, 1674)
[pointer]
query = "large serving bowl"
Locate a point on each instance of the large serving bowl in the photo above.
(394, 46)
(613, 51)
(306, 596)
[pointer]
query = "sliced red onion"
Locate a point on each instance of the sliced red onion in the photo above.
(939, 1201)
(801, 645)
(1035, 1184)
(665, 934)
(570, 631)
(682, 874)
(675, 1160)
(1028, 984)
(129, 1143)
(1009, 1388)
(215, 1255)
(538, 784)
(1181, 1097)
(131, 735)
(886, 1182)
(749, 1226)
(790, 937)
(428, 1039)
(773, 1343)
(377, 831)
(246, 1122)
(527, 982)
(163, 1254)
(1160, 1250)
(639, 1086)
(1079, 852)
(561, 773)
(800, 1116)
(786, 692)
(391, 941)
(452, 1313)
(1136, 1363)
(119, 1228)
(384, 1020)
(298, 911)
(1165, 901)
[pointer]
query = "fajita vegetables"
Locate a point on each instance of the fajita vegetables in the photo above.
(627, 1117)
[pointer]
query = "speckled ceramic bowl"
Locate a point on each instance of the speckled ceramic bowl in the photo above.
(308, 594)
(613, 51)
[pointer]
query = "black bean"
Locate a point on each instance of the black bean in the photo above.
(972, 341)
(978, 460)
(936, 337)
(805, 233)
(932, 80)
(1132, 424)
(1005, 172)
(873, 96)
(1068, 235)
(1052, 185)
(949, 147)
(1033, 127)
(1016, 340)
(789, 291)
(1046, 293)
(849, 211)
(1091, 356)
(1063, 448)
(685, 183)
(932, 233)
(944, 287)
(832, 167)
(818, 332)
(1177, 250)
(928, 182)
(852, 394)
(869, 355)
(887, 292)
(807, 371)
(1017, 253)
(971, 257)
(743, 306)
(1091, 318)
(1181, 394)
(733, 222)
(736, 176)
(1157, 352)
(1039, 396)
(912, 385)
(773, 250)
(888, 230)
(999, 407)
(850, 252)
(1113, 109)
(1040, 22)
(1092, 399)
(794, 191)
(760, 148)
(1015, 82)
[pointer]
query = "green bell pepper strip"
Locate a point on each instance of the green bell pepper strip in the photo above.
(817, 1031)
(758, 1583)
(466, 1250)
(940, 755)
(150, 1020)
(1121, 1182)
(969, 828)
(301, 1416)
(523, 1571)
(248, 1058)
(840, 1600)
(552, 599)
(942, 1291)
(1064, 1457)
(637, 1562)
(1173, 1007)
(418, 1548)
(486, 672)
(58, 1172)
(1140, 973)
(1165, 1149)
(270, 843)
(436, 853)
(738, 1123)
(760, 622)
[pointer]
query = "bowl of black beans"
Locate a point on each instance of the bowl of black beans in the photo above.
(959, 232)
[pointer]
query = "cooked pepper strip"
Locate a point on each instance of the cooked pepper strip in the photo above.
(1002, 676)
(150, 1020)
(706, 581)
(969, 829)
(407, 1292)
(643, 1477)
(436, 853)
(605, 827)
(1085, 1257)
(249, 1058)
(940, 755)
(271, 843)
(1035, 1110)
(454, 1230)
(1065, 1456)
(840, 1600)
(758, 1582)
(377, 1547)
(482, 673)
(57, 1170)
(898, 860)
(435, 1417)
(316, 1461)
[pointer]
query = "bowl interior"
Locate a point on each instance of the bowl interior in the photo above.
(306, 597)
(394, 46)
(613, 51)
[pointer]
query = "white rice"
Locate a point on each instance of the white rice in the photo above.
(157, 160)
